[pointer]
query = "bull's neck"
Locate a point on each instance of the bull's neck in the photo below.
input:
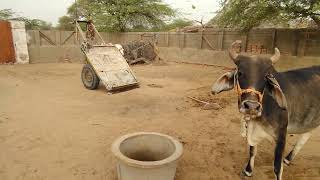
(274, 72)
(279, 76)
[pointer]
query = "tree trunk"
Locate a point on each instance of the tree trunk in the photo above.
(316, 19)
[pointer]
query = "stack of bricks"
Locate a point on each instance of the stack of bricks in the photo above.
(257, 49)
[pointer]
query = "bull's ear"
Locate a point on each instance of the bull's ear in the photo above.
(276, 92)
(225, 83)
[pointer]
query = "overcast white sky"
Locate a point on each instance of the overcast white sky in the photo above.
(51, 10)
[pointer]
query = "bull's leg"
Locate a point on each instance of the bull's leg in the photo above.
(278, 154)
(255, 134)
(249, 168)
(297, 147)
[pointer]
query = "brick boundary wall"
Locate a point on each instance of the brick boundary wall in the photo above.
(55, 46)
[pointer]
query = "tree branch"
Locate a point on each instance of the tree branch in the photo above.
(316, 20)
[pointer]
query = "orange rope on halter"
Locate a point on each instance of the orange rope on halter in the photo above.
(249, 90)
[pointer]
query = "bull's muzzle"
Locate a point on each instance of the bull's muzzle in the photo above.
(251, 108)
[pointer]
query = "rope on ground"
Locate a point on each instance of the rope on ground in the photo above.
(203, 64)
(197, 100)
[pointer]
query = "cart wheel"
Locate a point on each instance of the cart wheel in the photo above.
(89, 78)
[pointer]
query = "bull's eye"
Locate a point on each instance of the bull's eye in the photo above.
(240, 74)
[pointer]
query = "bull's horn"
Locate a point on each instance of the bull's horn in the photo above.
(276, 56)
(233, 55)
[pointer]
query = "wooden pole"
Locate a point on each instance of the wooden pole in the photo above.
(168, 40)
(207, 41)
(201, 39)
(184, 40)
(98, 34)
(221, 40)
(246, 42)
(274, 39)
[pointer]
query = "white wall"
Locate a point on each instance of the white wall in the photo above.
(20, 42)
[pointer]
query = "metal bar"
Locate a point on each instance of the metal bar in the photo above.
(83, 21)
(102, 45)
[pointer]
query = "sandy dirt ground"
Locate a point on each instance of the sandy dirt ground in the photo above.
(52, 128)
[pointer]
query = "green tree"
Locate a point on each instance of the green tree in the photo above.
(6, 14)
(34, 24)
(177, 23)
(122, 15)
(9, 14)
(38, 24)
(246, 14)
(66, 23)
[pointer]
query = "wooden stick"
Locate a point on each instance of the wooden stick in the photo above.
(98, 33)
(207, 41)
(46, 38)
(81, 32)
(67, 38)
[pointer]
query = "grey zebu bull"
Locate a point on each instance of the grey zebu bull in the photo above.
(273, 103)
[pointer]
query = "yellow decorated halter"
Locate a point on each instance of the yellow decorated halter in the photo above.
(248, 90)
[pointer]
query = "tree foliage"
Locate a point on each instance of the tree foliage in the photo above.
(66, 23)
(246, 14)
(6, 14)
(9, 14)
(177, 23)
(34, 24)
(121, 15)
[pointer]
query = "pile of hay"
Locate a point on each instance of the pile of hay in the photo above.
(137, 52)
